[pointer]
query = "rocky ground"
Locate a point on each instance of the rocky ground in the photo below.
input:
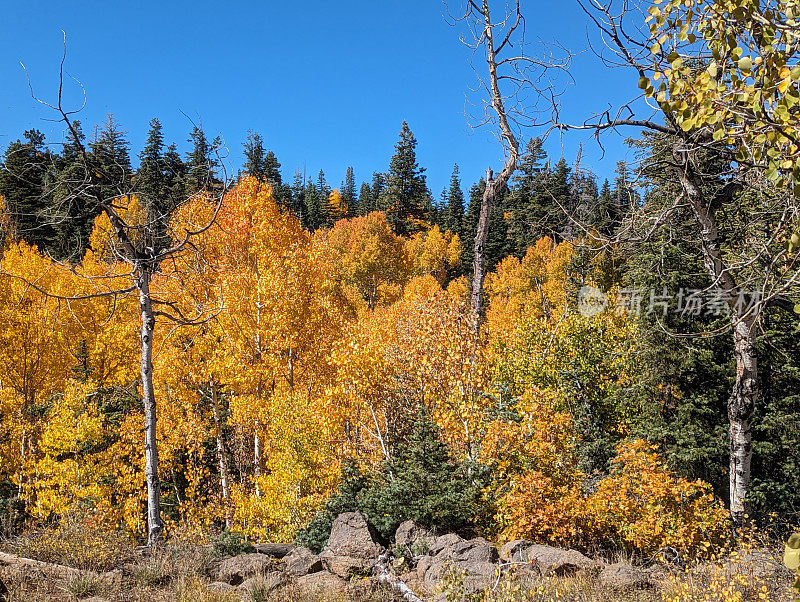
(354, 566)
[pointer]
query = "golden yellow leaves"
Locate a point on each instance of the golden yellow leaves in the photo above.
(745, 91)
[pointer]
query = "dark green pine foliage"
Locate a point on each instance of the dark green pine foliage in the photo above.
(111, 160)
(626, 198)
(255, 156)
(584, 200)
(72, 211)
(422, 482)
(264, 165)
(175, 177)
(24, 177)
(348, 191)
(297, 202)
(367, 203)
(152, 184)
(201, 165)
(532, 211)
(405, 198)
(605, 216)
(452, 214)
(316, 196)
(364, 200)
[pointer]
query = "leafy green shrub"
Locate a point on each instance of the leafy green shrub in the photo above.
(422, 483)
(231, 543)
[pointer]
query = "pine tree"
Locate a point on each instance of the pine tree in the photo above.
(297, 203)
(71, 211)
(111, 160)
(406, 196)
(349, 191)
(255, 156)
(453, 212)
(201, 167)
(23, 181)
(499, 244)
(174, 176)
(365, 203)
(153, 186)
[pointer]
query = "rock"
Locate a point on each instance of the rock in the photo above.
(237, 569)
(410, 534)
(275, 550)
(473, 559)
(351, 548)
(442, 542)
(302, 561)
(624, 576)
(510, 552)
(259, 586)
(554, 561)
(219, 587)
(322, 583)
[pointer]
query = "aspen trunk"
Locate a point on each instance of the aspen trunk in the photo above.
(155, 526)
(742, 400)
(741, 405)
(257, 461)
(222, 458)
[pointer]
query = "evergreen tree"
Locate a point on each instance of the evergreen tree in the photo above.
(152, 184)
(453, 211)
(174, 176)
(365, 203)
(297, 203)
(348, 191)
(201, 167)
(499, 244)
(406, 196)
(71, 211)
(255, 156)
(111, 160)
(24, 174)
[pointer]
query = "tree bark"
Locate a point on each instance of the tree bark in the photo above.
(222, 457)
(155, 526)
(744, 395)
(494, 186)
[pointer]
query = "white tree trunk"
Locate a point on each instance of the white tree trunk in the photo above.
(222, 458)
(155, 526)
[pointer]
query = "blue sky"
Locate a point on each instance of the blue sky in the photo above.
(327, 84)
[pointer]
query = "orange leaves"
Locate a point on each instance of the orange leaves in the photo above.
(366, 256)
(434, 253)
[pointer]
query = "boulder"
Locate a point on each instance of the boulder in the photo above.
(444, 541)
(301, 561)
(554, 561)
(411, 535)
(322, 583)
(236, 569)
(624, 576)
(352, 547)
(510, 552)
(474, 559)
(275, 550)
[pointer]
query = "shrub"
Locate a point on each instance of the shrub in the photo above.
(422, 482)
(78, 543)
(231, 543)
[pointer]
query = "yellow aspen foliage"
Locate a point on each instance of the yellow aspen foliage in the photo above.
(434, 253)
(367, 257)
(104, 242)
(336, 208)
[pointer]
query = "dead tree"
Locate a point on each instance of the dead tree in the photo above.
(501, 43)
(138, 244)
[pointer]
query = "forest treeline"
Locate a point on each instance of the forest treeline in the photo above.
(336, 366)
(547, 198)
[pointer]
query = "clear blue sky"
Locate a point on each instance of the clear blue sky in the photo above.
(327, 84)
